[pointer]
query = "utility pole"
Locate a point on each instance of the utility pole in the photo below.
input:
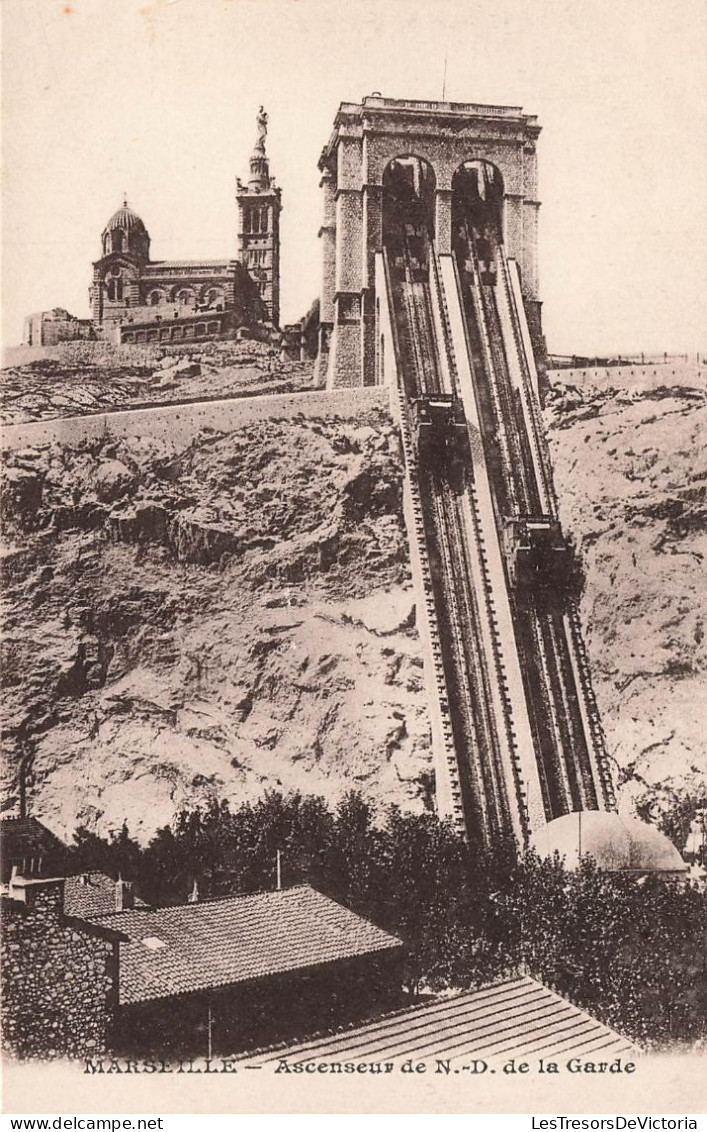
(278, 867)
(24, 772)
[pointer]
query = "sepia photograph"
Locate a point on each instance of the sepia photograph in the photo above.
(352, 409)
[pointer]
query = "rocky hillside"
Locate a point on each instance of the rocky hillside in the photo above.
(223, 619)
(98, 378)
(630, 472)
(237, 614)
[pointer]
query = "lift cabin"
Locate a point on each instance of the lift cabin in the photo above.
(486, 258)
(441, 434)
(469, 246)
(408, 253)
(541, 563)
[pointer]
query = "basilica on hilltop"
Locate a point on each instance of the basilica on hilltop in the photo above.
(136, 299)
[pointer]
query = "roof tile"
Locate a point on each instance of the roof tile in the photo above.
(516, 1018)
(237, 939)
(91, 894)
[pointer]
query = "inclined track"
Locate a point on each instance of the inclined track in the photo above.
(477, 730)
(482, 753)
(545, 634)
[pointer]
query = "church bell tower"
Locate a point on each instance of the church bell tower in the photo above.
(259, 206)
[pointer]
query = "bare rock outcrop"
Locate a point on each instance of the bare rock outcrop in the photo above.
(630, 472)
(215, 620)
(237, 614)
(89, 378)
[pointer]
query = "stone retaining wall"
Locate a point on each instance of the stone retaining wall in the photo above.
(182, 423)
(81, 353)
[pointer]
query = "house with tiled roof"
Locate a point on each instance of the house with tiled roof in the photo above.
(252, 972)
(248, 969)
(230, 973)
(237, 939)
(514, 1018)
(29, 847)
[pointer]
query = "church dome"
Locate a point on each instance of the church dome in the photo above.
(126, 233)
(125, 219)
(617, 843)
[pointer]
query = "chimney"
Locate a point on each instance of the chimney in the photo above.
(46, 894)
(194, 895)
(124, 898)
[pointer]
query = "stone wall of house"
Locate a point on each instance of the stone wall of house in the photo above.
(59, 978)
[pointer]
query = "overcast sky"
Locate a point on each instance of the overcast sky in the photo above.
(157, 98)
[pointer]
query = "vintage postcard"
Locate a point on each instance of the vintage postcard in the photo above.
(353, 627)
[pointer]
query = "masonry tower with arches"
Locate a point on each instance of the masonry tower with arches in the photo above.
(429, 251)
(367, 139)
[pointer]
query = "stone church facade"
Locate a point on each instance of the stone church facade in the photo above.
(130, 287)
(135, 298)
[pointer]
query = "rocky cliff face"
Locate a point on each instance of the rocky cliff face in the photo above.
(237, 614)
(218, 620)
(630, 472)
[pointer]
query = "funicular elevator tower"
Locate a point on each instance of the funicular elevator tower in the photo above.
(429, 286)
(366, 137)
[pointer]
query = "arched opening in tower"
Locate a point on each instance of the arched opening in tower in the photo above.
(477, 198)
(477, 209)
(409, 185)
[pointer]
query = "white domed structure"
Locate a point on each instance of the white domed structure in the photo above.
(616, 843)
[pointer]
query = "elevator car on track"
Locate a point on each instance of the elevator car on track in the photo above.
(539, 557)
(408, 252)
(441, 433)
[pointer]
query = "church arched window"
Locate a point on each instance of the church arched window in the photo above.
(118, 240)
(106, 244)
(114, 287)
(154, 298)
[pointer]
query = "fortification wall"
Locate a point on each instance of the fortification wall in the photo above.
(82, 353)
(648, 376)
(182, 423)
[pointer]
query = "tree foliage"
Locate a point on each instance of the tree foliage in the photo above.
(631, 952)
